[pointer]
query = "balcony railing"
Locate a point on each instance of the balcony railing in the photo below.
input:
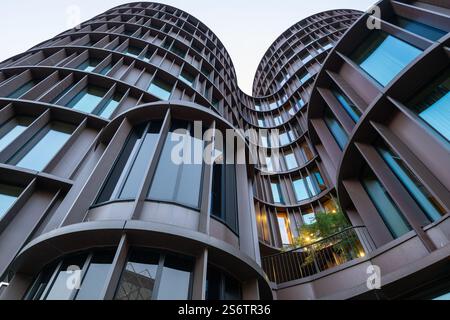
(327, 253)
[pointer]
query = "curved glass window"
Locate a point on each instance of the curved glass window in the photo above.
(43, 147)
(384, 56)
(433, 105)
(12, 129)
(221, 286)
(127, 174)
(160, 89)
(179, 180)
(301, 190)
(429, 204)
(223, 192)
(276, 192)
(388, 210)
(88, 99)
(16, 94)
(291, 161)
(336, 129)
(77, 277)
(150, 275)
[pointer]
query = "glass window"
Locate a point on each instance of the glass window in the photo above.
(305, 77)
(221, 286)
(160, 89)
(261, 122)
(12, 129)
(43, 147)
(178, 51)
(187, 78)
(278, 120)
(306, 152)
(175, 279)
(106, 69)
(152, 276)
(309, 218)
(89, 65)
(433, 105)
(59, 290)
(301, 192)
(180, 183)
(419, 28)
(285, 232)
(127, 174)
(16, 94)
(224, 196)
(139, 277)
(384, 56)
(391, 215)
(96, 275)
(276, 192)
(311, 185)
(319, 179)
(133, 51)
(291, 161)
(336, 129)
(110, 106)
(347, 104)
(285, 139)
(429, 204)
(8, 195)
(88, 99)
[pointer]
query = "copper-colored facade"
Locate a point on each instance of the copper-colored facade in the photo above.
(344, 134)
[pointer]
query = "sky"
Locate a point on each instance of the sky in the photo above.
(246, 27)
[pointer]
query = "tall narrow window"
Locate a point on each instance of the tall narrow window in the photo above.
(12, 129)
(43, 147)
(88, 99)
(8, 195)
(429, 204)
(347, 104)
(221, 286)
(389, 212)
(336, 129)
(384, 56)
(187, 78)
(179, 180)
(127, 174)
(276, 192)
(160, 89)
(285, 232)
(177, 273)
(432, 105)
(110, 106)
(224, 194)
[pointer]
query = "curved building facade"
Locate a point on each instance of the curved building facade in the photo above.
(92, 205)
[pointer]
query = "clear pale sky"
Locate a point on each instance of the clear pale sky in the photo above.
(246, 27)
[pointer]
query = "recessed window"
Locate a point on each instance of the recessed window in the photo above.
(160, 89)
(278, 120)
(43, 147)
(291, 161)
(88, 99)
(305, 77)
(261, 122)
(285, 231)
(387, 209)
(309, 218)
(16, 94)
(347, 104)
(8, 195)
(300, 189)
(221, 286)
(336, 128)
(179, 181)
(419, 28)
(276, 192)
(433, 105)
(133, 51)
(187, 78)
(384, 56)
(110, 106)
(126, 176)
(89, 65)
(311, 185)
(420, 193)
(12, 129)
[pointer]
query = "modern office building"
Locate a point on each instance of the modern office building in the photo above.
(92, 205)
